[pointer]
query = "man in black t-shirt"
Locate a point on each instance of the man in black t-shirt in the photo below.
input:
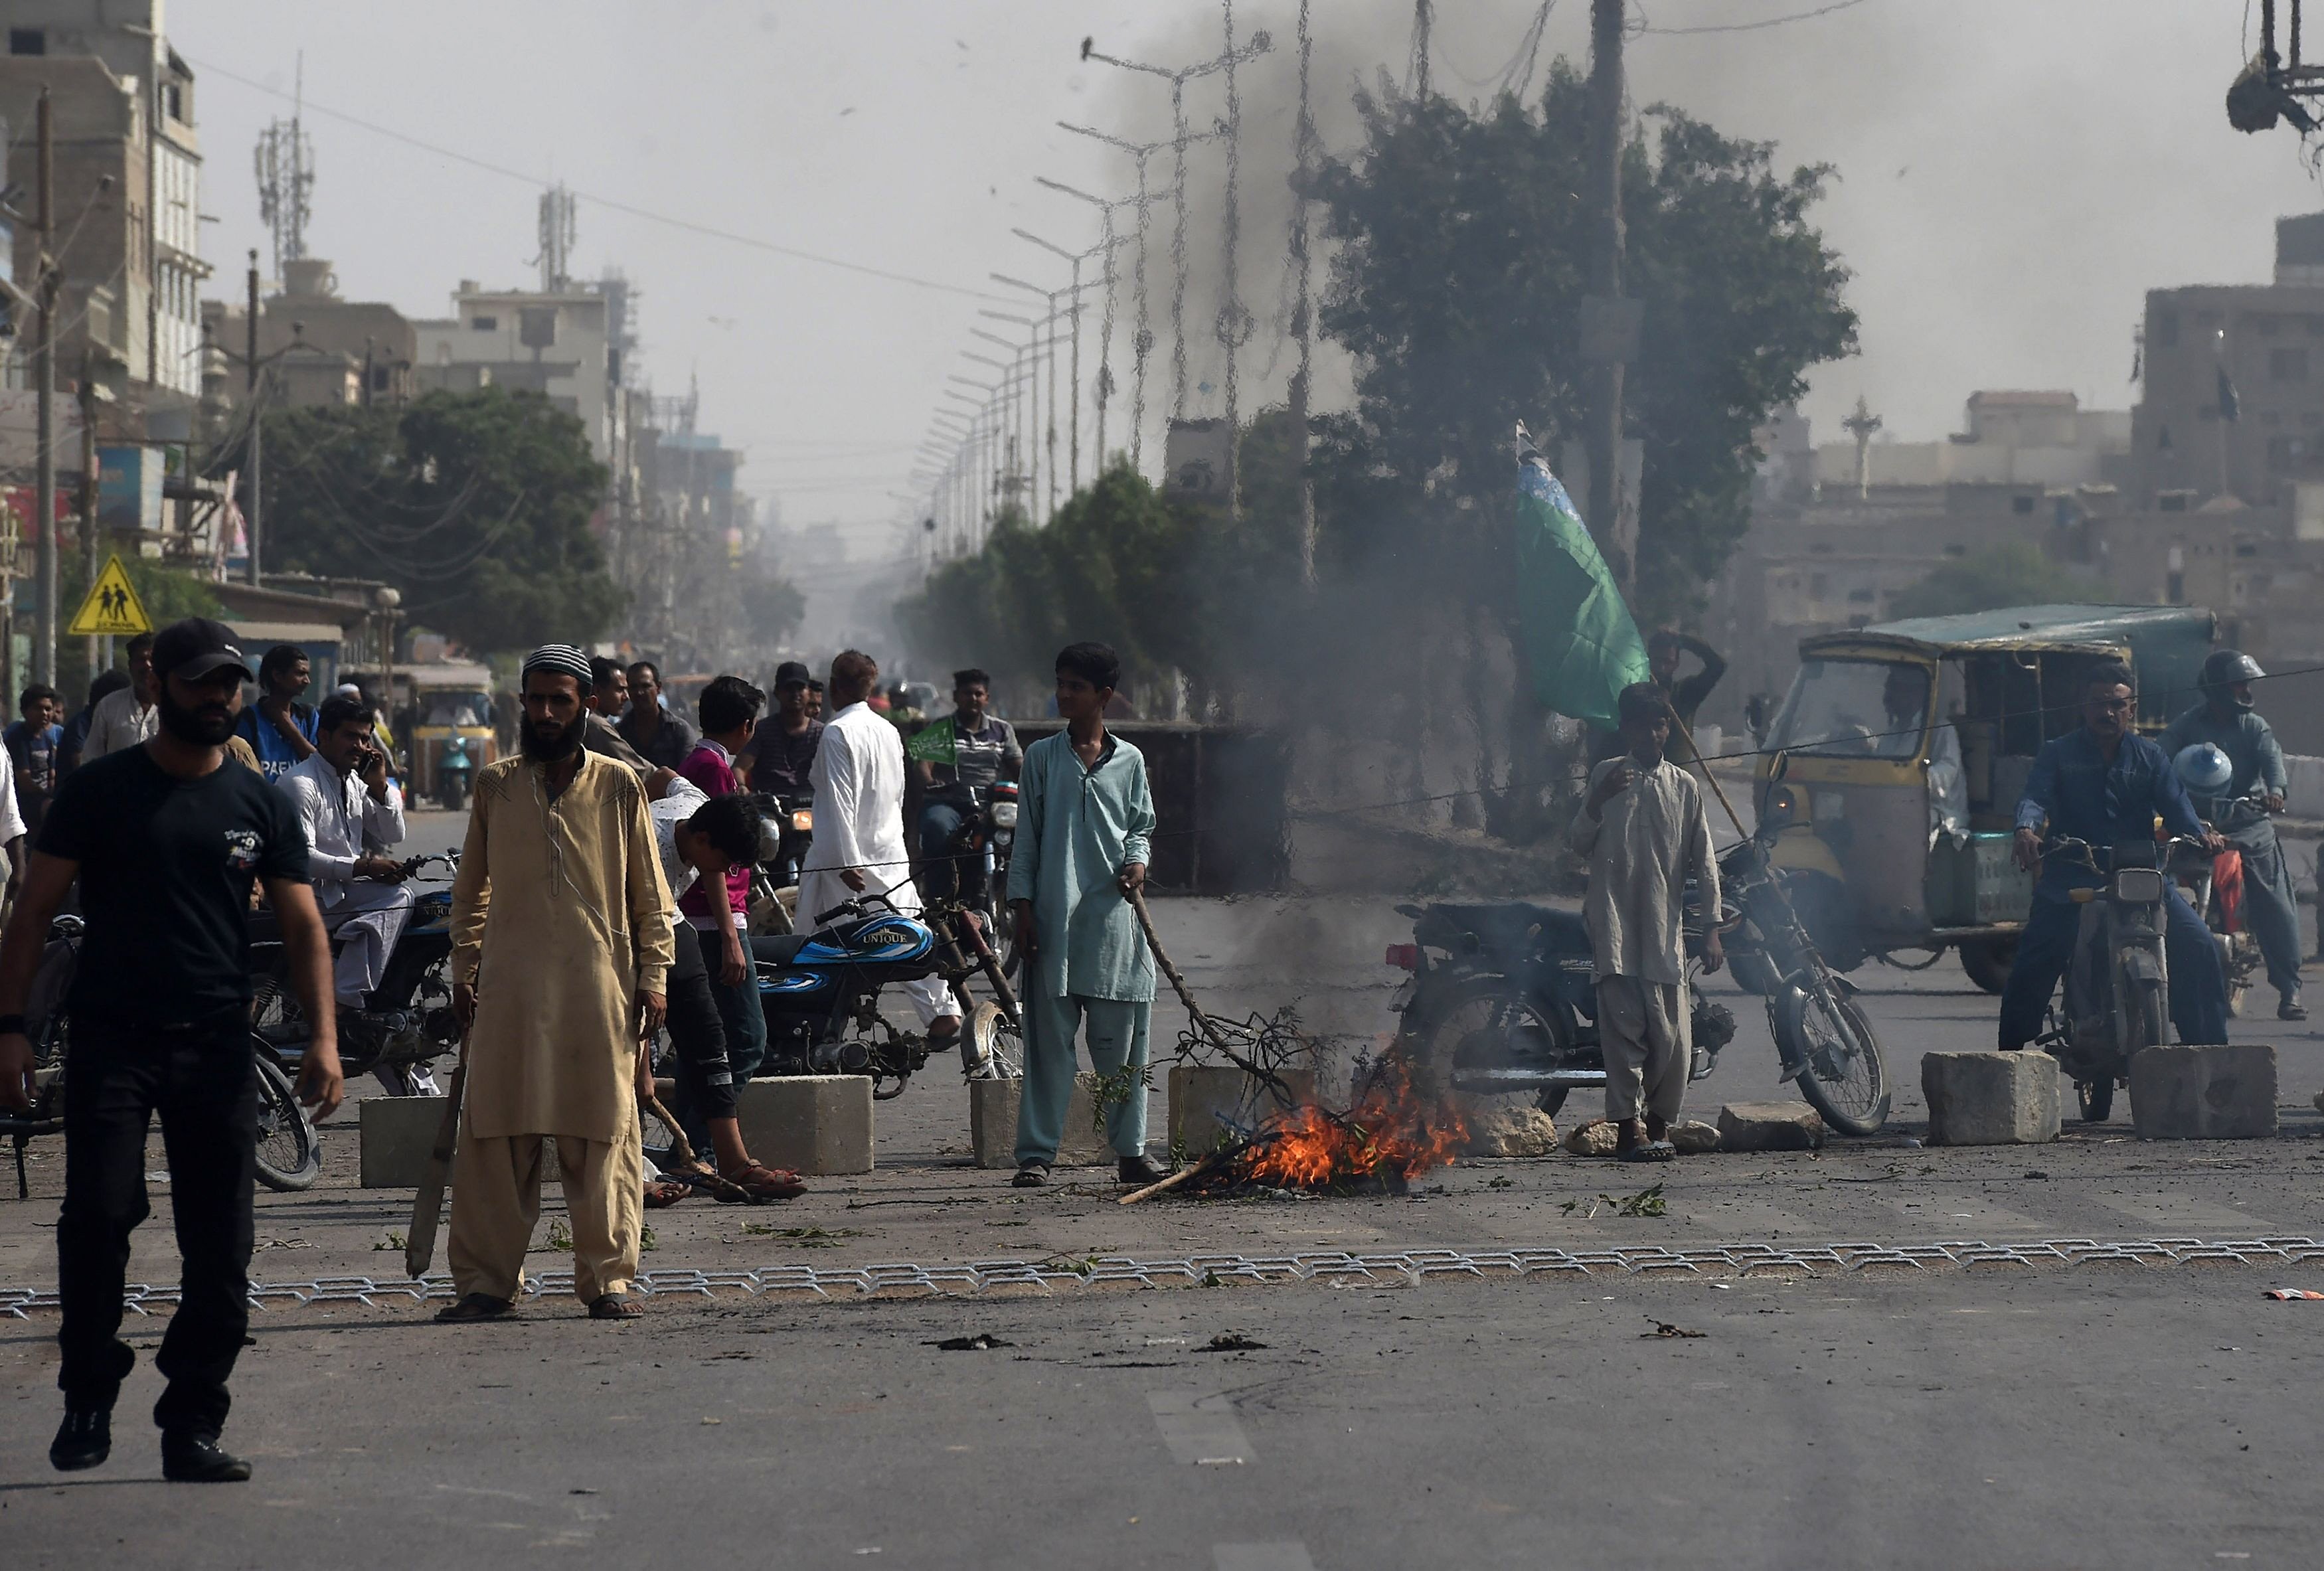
(165, 840)
(782, 750)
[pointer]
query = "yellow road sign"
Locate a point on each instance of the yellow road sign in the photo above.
(112, 606)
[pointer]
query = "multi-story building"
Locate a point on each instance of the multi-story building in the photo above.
(560, 344)
(318, 348)
(127, 200)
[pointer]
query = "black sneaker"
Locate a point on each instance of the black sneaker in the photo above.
(83, 1440)
(1141, 1168)
(2290, 1008)
(191, 1458)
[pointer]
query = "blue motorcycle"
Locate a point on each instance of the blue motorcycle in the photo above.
(820, 992)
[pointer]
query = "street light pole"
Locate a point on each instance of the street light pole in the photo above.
(44, 463)
(257, 423)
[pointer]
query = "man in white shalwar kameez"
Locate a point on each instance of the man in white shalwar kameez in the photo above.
(1643, 829)
(858, 849)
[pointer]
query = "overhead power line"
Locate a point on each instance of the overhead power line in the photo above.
(1755, 26)
(609, 203)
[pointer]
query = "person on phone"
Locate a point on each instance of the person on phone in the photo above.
(1085, 822)
(165, 839)
(349, 807)
(1644, 832)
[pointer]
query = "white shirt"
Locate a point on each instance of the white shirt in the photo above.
(12, 817)
(341, 820)
(680, 802)
(118, 722)
(858, 777)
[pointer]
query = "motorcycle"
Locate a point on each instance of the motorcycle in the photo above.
(289, 1153)
(1503, 998)
(979, 850)
(2215, 887)
(786, 830)
(820, 993)
(2117, 990)
(454, 774)
(410, 1023)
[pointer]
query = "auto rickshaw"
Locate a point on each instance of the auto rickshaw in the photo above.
(1896, 832)
(450, 701)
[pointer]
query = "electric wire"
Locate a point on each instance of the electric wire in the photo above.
(1836, 5)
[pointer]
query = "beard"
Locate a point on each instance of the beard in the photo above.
(549, 747)
(208, 726)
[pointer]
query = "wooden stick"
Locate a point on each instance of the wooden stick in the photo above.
(1716, 789)
(1172, 1182)
(1202, 1022)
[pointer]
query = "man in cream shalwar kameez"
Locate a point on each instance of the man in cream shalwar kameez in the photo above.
(561, 924)
(1644, 831)
(858, 776)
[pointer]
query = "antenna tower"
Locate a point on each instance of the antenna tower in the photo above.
(559, 228)
(285, 164)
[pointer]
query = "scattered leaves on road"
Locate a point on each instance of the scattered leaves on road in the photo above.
(802, 1237)
(982, 1342)
(1230, 1342)
(395, 1241)
(1664, 1331)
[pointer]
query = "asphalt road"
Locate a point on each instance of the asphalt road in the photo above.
(2059, 1416)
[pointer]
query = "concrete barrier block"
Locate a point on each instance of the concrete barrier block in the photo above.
(1769, 1126)
(818, 1124)
(1202, 1095)
(993, 1126)
(1990, 1098)
(394, 1138)
(2216, 1092)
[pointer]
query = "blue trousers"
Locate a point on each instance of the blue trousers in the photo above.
(939, 874)
(1119, 1034)
(2270, 907)
(2198, 988)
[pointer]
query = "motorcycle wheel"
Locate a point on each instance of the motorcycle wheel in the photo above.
(1480, 1003)
(290, 1154)
(1988, 961)
(1844, 1078)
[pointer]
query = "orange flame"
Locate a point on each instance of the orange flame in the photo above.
(1392, 1128)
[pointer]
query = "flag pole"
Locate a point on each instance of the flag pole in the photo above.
(1717, 790)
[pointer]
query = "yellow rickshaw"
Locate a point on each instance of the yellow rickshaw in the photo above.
(452, 715)
(1891, 771)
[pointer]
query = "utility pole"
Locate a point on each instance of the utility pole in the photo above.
(257, 421)
(44, 464)
(1613, 511)
(100, 650)
(1423, 21)
(1303, 324)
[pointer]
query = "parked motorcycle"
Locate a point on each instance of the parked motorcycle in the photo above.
(289, 1153)
(820, 992)
(2118, 993)
(786, 830)
(1503, 998)
(980, 850)
(410, 1023)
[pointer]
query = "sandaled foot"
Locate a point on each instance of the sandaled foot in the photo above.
(665, 1191)
(615, 1307)
(757, 1183)
(1031, 1176)
(1653, 1150)
(474, 1307)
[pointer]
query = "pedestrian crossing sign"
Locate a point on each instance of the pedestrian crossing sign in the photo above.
(112, 606)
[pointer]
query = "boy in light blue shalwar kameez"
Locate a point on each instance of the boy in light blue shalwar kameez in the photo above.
(1085, 819)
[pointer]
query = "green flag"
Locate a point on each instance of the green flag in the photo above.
(1579, 637)
(934, 742)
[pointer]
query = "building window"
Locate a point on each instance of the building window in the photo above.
(27, 40)
(2174, 589)
(173, 101)
(2287, 364)
(2163, 439)
(2172, 501)
(484, 324)
(2167, 330)
(2022, 503)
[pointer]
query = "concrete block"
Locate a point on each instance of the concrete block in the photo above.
(816, 1125)
(2204, 1092)
(393, 1137)
(993, 1126)
(1201, 1095)
(1769, 1126)
(1990, 1098)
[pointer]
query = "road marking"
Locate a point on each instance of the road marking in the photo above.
(1291, 1556)
(1200, 1430)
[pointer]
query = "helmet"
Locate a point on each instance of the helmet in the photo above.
(2204, 768)
(2227, 667)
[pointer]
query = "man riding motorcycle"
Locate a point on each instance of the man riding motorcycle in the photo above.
(2105, 785)
(2226, 720)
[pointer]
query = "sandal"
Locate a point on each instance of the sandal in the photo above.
(1654, 1150)
(474, 1307)
(666, 1191)
(615, 1307)
(758, 1183)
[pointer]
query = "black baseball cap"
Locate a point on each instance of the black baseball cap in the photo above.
(791, 673)
(197, 648)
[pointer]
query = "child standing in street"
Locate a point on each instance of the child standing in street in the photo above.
(1085, 816)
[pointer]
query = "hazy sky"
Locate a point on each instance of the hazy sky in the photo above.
(2012, 174)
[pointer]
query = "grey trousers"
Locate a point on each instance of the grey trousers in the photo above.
(2271, 908)
(1642, 1031)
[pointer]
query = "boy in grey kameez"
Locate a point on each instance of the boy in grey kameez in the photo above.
(1084, 817)
(1643, 828)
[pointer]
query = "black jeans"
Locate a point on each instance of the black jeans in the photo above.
(706, 1079)
(204, 1083)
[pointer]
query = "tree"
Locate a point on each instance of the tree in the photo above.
(2015, 574)
(1457, 280)
(476, 506)
(773, 609)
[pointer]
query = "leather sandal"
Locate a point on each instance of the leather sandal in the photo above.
(758, 1183)
(615, 1307)
(474, 1307)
